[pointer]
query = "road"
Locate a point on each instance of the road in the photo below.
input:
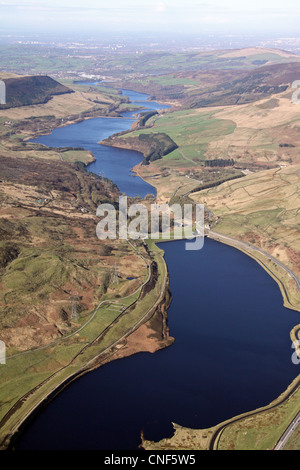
(288, 432)
(213, 445)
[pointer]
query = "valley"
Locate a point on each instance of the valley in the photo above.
(232, 145)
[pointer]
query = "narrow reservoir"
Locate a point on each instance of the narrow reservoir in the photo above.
(113, 163)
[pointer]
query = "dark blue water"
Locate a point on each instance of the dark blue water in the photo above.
(140, 100)
(115, 164)
(232, 353)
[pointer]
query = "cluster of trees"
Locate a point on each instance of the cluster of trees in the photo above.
(8, 253)
(286, 145)
(212, 184)
(160, 144)
(145, 116)
(219, 162)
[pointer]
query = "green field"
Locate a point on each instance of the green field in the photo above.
(21, 58)
(191, 131)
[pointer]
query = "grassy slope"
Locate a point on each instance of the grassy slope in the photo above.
(191, 131)
(222, 85)
(182, 169)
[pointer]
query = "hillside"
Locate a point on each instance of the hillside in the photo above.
(215, 87)
(47, 227)
(48, 245)
(153, 147)
(30, 90)
(250, 86)
(250, 51)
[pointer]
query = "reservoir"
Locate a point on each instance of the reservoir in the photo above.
(115, 164)
(232, 351)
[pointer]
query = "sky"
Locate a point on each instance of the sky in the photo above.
(230, 16)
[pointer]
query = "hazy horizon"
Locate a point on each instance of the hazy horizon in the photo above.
(168, 16)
